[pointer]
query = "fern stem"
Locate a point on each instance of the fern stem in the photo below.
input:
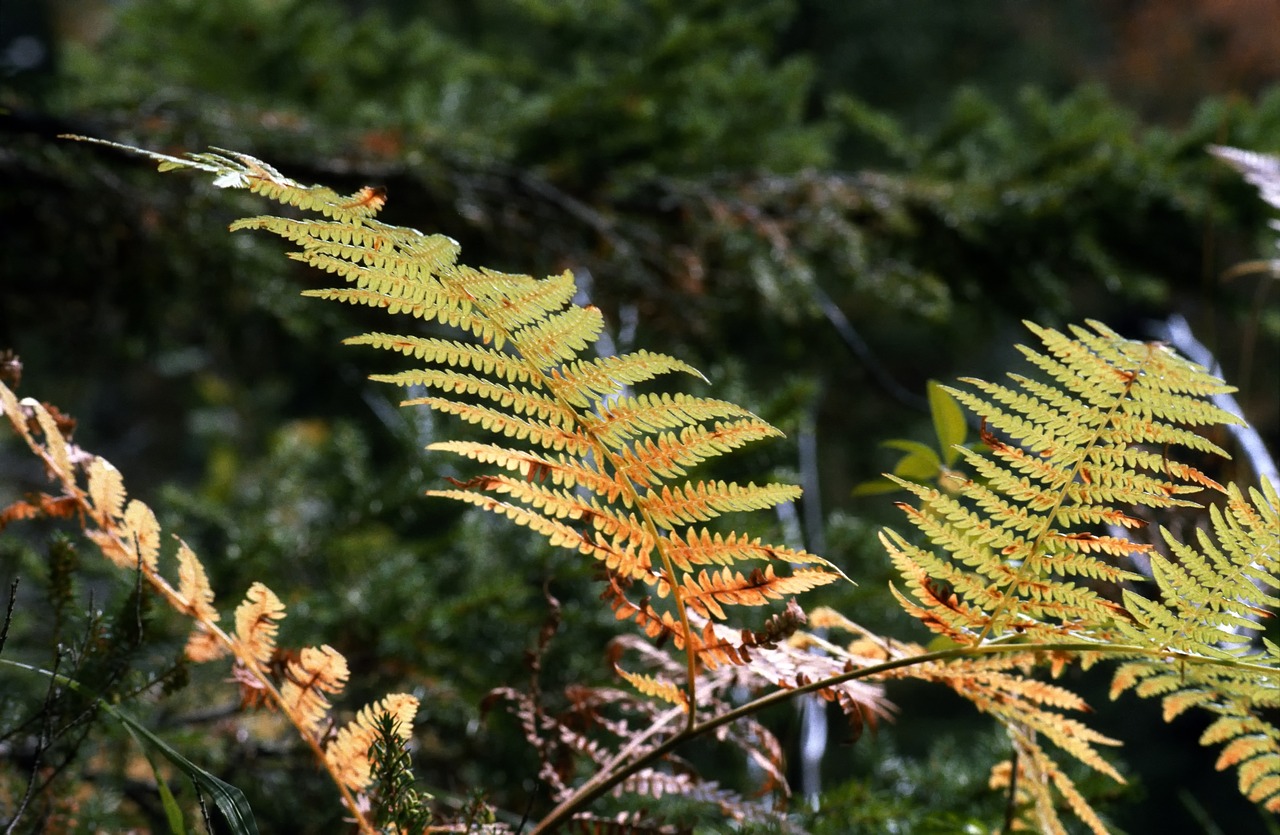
(605, 780)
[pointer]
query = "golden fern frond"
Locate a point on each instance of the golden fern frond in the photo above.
(656, 687)
(256, 628)
(703, 501)
(523, 375)
(1081, 449)
(1212, 600)
(1041, 788)
(128, 535)
(706, 592)
(620, 419)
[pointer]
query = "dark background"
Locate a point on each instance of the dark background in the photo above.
(731, 180)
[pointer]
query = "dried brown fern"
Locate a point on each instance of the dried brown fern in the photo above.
(126, 531)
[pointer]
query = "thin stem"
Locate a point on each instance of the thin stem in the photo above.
(603, 780)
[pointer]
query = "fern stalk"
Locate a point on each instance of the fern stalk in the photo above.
(609, 777)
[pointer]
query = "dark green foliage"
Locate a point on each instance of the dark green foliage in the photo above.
(397, 802)
(51, 726)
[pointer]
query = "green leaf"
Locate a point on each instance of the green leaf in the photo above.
(948, 422)
(921, 463)
(229, 800)
(918, 467)
(915, 449)
(172, 812)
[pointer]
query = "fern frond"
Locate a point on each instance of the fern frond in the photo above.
(451, 353)
(315, 672)
(581, 382)
(128, 534)
(651, 461)
(703, 501)
(1016, 536)
(520, 401)
(499, 422)
(654, 785)
(650, 686)
(256, 627)
(620, 419)
(699, 546)
(705, 593)
(1042, 786)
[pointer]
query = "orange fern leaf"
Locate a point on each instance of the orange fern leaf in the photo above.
(256, 627)
(315, 672)
(708, 590)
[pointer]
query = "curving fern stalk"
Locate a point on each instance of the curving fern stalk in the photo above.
(1028, 563)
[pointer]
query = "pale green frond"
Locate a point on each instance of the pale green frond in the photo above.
(653, 460)
(559, 337)
(582, 381)
(628, 563)
(519, 400)
(499, 422)
(1061, 455)
(531, 303)
(561, 469)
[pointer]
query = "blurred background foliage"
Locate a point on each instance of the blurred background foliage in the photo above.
(820, 204)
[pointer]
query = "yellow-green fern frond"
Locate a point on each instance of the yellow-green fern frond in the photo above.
(1024, 549)
(651, 686)
(605, 472)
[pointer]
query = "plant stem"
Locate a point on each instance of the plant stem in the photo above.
(605, 779)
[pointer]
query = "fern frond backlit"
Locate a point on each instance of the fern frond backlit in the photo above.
(1031, 549)
(599, 472)
(1023, 535)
